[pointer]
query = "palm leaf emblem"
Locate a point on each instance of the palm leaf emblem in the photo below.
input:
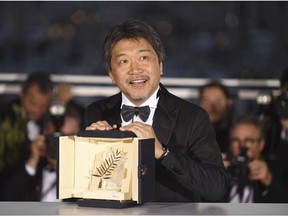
(106, 169)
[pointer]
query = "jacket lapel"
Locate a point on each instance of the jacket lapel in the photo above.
(112, 110)
(165, 117)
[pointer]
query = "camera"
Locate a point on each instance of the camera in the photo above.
(51, 146)
(56, 111)
(239, 166)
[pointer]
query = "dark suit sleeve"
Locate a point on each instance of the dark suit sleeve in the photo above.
(21, 186)
(199, 168)
(275, 193)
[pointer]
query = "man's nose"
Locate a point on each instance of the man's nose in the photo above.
(245, 145)
(211, 106)
(135, 67)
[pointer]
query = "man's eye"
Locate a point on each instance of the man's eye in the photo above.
(144, 58)
(123, 61)
(251, 141)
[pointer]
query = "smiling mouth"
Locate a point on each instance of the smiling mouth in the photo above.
(136, 82)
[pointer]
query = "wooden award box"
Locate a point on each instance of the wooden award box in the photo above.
(106, 169)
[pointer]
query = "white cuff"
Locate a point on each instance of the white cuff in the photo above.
(30, 170)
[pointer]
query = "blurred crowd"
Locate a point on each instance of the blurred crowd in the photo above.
(254, 151)
(254, 146)
(29, 129)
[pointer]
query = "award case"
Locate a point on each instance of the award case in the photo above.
(111, 169)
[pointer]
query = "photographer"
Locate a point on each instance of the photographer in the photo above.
(21, 121)
(36, 179)
(216, 99)
(252, 178)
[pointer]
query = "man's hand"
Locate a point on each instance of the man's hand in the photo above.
(260, 171)
(225, 160)
(145, 131)
(38, 149)
(101, 125)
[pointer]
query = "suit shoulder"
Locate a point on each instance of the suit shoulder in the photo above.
(7, 109)
(180, 102)
(103, 102)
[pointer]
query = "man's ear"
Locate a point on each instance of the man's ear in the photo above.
(161, 68)
(261, 145)
(111, 76)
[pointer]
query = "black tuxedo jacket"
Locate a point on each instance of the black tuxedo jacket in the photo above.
(193, 170)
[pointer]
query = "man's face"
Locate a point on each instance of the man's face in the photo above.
(215, 103)
(284, 123)
(135, 69)
(70, 126)
(246, 135)
(35, 103)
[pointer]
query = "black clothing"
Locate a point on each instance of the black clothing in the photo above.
(14, 142)
(193, 171)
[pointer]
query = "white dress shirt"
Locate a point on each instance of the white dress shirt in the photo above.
(248, 193)
(49, 191)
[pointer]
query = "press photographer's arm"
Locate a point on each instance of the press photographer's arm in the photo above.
(259, 171)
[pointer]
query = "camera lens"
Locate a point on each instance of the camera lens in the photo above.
(52, 143)
(239, 166)
(57, 111)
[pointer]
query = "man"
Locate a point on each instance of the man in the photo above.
(253, 179)
(216, 100)
(21, 123)
(35, 180)
(188, 160)
(276, 150)
(278, 124)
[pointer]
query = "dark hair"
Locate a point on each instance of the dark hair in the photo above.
(41, 78)
(215, 84)
(131, 29)
(252, 120)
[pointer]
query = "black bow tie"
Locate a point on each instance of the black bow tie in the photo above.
(128, 112)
